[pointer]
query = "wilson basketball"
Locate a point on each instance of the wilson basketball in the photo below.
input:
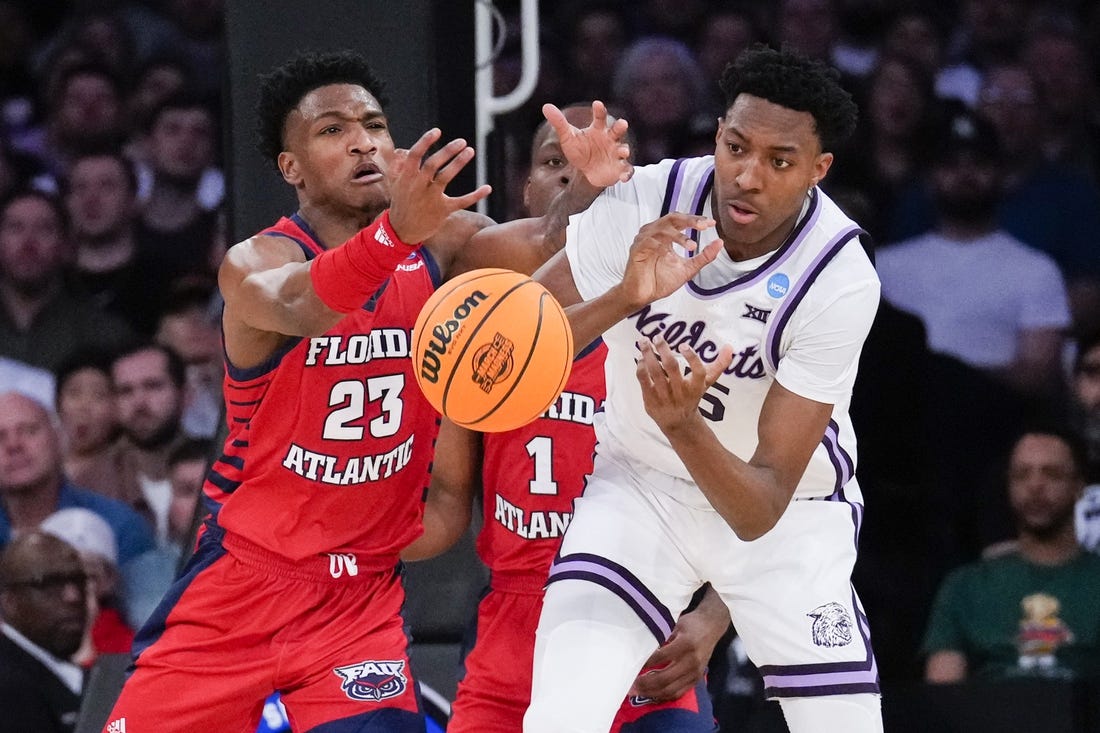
(492, 350)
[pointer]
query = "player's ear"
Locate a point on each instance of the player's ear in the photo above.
(821, 167)
(288, 167)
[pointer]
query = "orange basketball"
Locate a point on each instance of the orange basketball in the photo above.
(492, 350)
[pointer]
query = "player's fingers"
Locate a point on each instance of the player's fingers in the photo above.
(451, 168)
(557, 120)
(650, 372)
(699, 375)
(704, 256)
(599, 115)
(664, 684)
(719, 365)
(420, 147)
(437, 161)
(468, 200)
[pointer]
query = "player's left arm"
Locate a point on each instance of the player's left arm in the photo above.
(820, 363)
(681, 662)
(449, 504)
(750, 495)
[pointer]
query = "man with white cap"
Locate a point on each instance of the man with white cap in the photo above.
(107, 631)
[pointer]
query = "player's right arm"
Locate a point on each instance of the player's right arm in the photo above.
(271, 292)
(654, 269)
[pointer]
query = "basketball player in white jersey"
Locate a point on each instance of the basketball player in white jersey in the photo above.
(734, 298)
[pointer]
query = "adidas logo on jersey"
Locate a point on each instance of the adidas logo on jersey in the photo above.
(382, 238)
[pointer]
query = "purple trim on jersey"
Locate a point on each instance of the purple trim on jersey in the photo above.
(827, 678)
(621, 582)
(840, 459)
(790, 303)
(672, 187)
(778, 257)
(699, 201)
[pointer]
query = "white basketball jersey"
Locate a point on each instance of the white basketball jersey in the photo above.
(798, 314)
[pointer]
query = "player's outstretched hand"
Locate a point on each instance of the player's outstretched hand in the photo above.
(654, 268)
(670, 396)
(598, 151)
(679, 663)
(418, 202)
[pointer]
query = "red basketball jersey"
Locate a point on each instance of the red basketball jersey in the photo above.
(532, 474)
(330, 440)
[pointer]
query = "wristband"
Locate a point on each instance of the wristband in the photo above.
(346, 277)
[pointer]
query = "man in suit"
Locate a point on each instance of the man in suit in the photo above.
(44, 606)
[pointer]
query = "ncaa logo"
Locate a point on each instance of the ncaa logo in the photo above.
(778, 285)
(373, 680)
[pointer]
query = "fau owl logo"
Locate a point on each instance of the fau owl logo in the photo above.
(372, 681)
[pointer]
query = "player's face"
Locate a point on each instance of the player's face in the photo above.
(339, 148)
(766, 159)
(550, 171)
(1043, 484)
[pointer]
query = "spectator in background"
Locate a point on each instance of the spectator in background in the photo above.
(84, 114)
(32, 485)
(725, 32)
(1085, 395)
(914, 33)
(160, 78)
(661, 89)
(900, 115)
(88, 415)
(1035, 611)
(1056, 55)
(985, 297)
(16, 39)
(26, 379)
(40, 321)
(179, 186)
(100, 197)
(107, 631)
(595, 35)
(146, 578)
(189, 325)
(43, 605)
(1049, 205)
(989, 33)
(148, 383)
(200, 26)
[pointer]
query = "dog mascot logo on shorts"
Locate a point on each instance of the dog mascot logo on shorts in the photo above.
(372, 680)
(832, 625)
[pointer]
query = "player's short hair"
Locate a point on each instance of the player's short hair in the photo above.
(282, 89)
(796, 82)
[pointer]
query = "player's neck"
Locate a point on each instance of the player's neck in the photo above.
(332, 226)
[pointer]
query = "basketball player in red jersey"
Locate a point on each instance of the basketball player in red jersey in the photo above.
(294, 586)
(530, 477)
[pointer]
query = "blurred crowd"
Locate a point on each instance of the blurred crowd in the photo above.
(975, 174)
